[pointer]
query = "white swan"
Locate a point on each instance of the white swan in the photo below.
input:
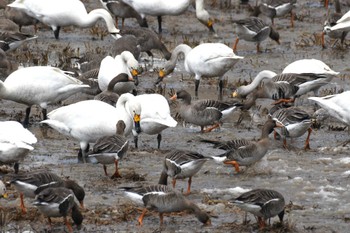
(39, 85)
(15, 142)
(90, 120)
(207, 59)
(60, 13)
(336, 105)
(165, 7)
(155, 116)
(110, 67)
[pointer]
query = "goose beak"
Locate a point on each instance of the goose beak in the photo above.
(5, 195)
(235, 94)
(174, 97)
(279, 124)
(137, 123)
(207, 223)
(82, 205)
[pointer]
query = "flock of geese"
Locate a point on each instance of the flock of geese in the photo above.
(118, 110)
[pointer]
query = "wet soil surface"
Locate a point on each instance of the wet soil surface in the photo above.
(315, 183)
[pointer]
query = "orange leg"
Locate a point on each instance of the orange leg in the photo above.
(258, 48)
(70, 229)
(173, 182)
(23, 208)
(217, 125)
(82, 204)
(50, 223)
(235, 45)
(116, 173)
(326, 4)
(292, 19)
(275, 134)
(233, 163)
(140, 219)
(307, 142)
(322, 40)
(291, 100)
(261, 223)
(189, 186)
(285, 143)
(161, 217)
(105, 169)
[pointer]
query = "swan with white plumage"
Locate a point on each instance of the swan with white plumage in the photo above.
(60, 13)
(90, 120)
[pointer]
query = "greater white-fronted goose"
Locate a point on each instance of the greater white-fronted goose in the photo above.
(57, 14)
(243, 152)
(20, 18)
(161, 7)
(163, 200)
(90, 120)
(155, 116)
(181, 164)
(58, 202)
(331, 21)
(148, 40)
(30, 184)
(203, 112)
(39, 85)
(207, 60)
(11, 40)
(263, 203)
(110, 149)
(275, 8)
(15, 143)
(109, 96)
(110, 67)
(254, 29)
(295, 123)
(337, 105)
(124, 11)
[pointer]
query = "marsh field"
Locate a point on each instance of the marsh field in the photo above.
(315, 183)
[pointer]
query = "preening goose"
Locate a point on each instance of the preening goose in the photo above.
(181, 164)
(162, 7)
(263, 203)
(110, 149)
(163, 200)
(110, 67)
(58, 202)
(15, 143)
(275, 8)
(57, 14)
(254, 29)
(155, 116)
(30, 184)
(203, 112)
(39, 85)
(11, 40)
(242, 152)
(336, 105)
(295, 123)
(207, 60)
(90, 120)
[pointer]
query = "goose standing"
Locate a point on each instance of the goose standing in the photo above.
(207, 59)
(162, 7)
(242, 152)
(31, 183)
(110, 149)
(295, 123)
(20, 18)
(110, 67)
(254, 29)
(181, 164)
(155, 116)
(39, 85)
(58, 202)
(163, 200)
(90, 120)
(15, 143)
(123, 10)
(203, 112)
(263, 203)
(60, 13)
(336, 105)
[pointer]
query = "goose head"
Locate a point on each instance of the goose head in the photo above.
(274, 35)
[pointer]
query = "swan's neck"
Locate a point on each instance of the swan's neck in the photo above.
(182, 48)
(200, 5)
(245, 90)
(95, 15)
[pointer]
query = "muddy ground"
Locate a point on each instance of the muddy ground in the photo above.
(315, 183)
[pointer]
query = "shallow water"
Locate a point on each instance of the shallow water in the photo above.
(316, 182)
